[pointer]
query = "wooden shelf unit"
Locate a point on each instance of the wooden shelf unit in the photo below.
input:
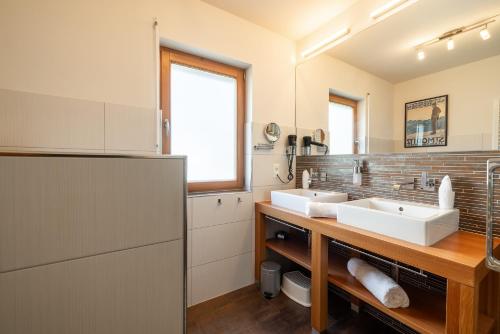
(427, 311)
(472, 302)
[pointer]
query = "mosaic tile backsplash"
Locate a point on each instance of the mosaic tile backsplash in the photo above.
(467, 171)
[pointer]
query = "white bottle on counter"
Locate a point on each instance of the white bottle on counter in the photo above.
(357, 175)
(446, 194)
(305, 179)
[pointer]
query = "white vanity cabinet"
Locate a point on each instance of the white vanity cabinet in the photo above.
(220, 244)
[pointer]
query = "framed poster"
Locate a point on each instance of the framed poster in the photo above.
(426, 122)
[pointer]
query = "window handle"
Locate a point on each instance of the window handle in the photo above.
(166, 126)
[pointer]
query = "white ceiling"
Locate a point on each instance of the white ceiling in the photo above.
(291, 18)
(387, 49)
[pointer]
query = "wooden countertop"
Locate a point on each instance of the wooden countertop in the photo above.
(460, 256)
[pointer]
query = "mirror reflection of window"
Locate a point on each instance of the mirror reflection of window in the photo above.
(342, 125)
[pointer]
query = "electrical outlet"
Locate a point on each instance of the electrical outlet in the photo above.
(276, 169)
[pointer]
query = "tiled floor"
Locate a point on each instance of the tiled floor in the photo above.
(246, 311)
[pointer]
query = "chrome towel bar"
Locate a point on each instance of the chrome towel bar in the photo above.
(394, 264)
(491, 261)
(301, 229)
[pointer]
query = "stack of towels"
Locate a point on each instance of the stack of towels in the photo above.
(321, 210)
(384, 288)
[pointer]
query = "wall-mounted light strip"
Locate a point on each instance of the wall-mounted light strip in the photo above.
(390, 8)
(327, 43)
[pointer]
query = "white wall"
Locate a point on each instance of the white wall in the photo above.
(104, 52)
(473, 92)
(318, 76)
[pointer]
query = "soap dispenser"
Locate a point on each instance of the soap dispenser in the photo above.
(356, 173)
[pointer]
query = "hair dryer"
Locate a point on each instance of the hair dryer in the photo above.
(307, 145)
(291, 151)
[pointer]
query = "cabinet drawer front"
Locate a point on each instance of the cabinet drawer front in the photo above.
(132, 291)
(59, 208)
(221, 242)
(243, 207)
(221, 209)
(217, 278)
(212, 210)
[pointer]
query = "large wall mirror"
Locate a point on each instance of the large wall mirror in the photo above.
(424, 79)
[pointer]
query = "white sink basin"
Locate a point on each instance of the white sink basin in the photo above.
(414, 222)
(297, 199)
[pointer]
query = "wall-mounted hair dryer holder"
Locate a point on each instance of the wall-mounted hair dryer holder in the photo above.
(306, 149)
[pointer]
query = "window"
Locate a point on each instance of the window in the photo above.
(203, 106)
(342, 115)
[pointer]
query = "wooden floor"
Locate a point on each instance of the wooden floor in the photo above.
(246, 311)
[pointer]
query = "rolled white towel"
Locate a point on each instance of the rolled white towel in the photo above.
(379, 284)
(316, 209)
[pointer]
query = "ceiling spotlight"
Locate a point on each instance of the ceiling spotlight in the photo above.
(485, 34)
(451, 44)
(420, 55)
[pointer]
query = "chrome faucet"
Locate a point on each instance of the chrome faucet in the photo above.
(398, 186)
(316, 176)
(426, 183)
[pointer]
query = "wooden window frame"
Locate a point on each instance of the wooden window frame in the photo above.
(354, 105)
(169, 57)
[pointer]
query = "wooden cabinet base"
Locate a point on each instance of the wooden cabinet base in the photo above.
(472, 304)
(319, 282)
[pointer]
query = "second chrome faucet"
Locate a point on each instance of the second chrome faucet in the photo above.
(426, 184)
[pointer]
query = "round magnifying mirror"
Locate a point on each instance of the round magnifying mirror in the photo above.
(319, 136)
(272, 132)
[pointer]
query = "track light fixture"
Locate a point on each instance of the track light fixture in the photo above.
(484, 33)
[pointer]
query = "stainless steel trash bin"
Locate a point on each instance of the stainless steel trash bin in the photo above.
(270, 275)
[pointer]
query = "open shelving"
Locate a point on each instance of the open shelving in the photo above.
(427, 311)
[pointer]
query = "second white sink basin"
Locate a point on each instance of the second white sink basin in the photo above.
(297, 199)
(414, 222)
